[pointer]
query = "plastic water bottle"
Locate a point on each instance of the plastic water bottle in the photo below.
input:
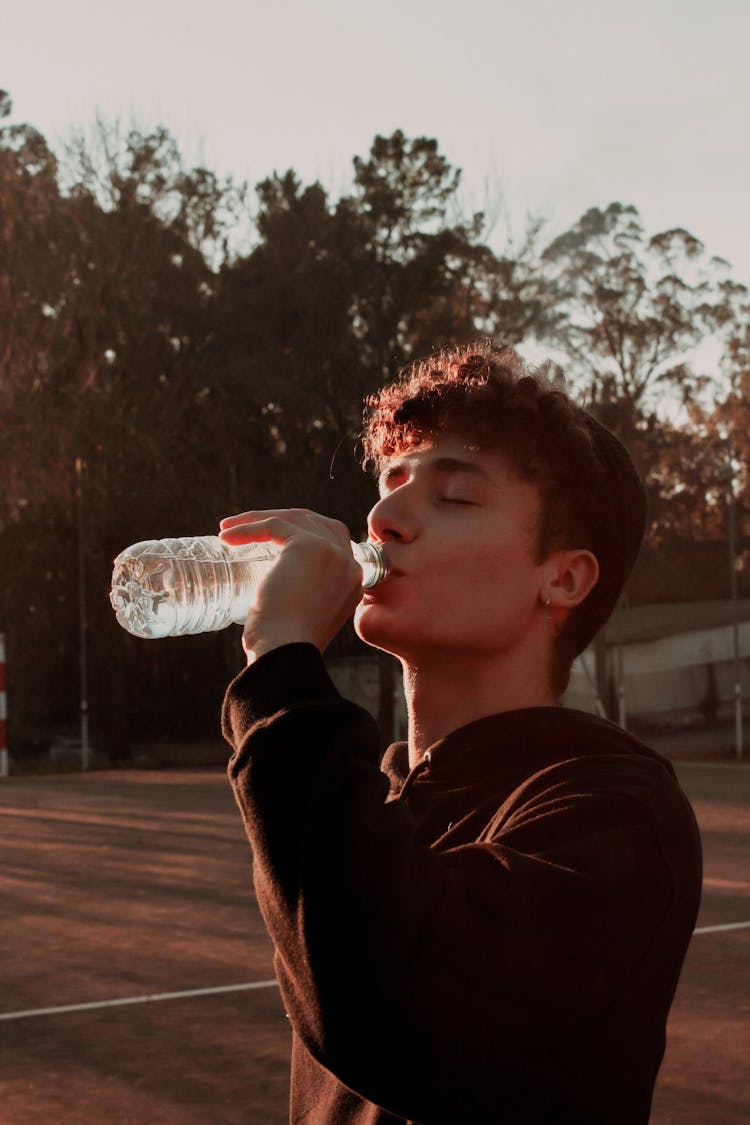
(169, 587)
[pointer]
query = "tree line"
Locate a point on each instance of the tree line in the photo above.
(192, 378)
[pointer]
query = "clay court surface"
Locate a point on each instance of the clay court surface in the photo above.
(124, 886)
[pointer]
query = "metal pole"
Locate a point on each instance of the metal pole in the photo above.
(602, 673)
(621, 710)
(82, 622)
(4, 762)
(738, 737)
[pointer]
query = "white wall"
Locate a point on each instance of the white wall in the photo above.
(668, 675)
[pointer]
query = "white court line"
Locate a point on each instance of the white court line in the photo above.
(137, 1000)
(252, 985)
(717, 929)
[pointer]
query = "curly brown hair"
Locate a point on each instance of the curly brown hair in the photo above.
(494, 400)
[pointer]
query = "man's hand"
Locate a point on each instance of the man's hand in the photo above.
(313, 587)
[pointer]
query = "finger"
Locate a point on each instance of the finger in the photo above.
(297, 515)
(245, 517)
(261, 529)
(300, 518)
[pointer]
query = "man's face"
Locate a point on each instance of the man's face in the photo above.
(460, 528)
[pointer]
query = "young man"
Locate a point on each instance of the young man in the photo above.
(488, 925)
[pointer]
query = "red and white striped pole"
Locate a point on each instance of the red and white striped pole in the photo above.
(3, 713)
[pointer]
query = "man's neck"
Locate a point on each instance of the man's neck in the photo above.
(450, 691)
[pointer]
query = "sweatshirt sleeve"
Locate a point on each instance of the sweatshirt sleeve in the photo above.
(425, 980)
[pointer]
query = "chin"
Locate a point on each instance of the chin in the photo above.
(363, 623)
(372, 626)
(384, 631)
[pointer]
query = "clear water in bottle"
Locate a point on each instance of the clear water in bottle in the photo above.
(170, 587)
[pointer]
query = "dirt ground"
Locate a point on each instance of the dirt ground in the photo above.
(120, 886)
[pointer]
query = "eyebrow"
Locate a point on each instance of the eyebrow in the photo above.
(441, 465)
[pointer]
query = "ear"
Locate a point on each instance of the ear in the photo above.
(572, 577)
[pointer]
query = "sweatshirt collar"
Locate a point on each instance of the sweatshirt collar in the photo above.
(492, 746)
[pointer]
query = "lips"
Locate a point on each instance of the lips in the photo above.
(391, 571)
(378, 591)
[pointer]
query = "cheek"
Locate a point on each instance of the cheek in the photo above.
(499, 584)
(494, 567)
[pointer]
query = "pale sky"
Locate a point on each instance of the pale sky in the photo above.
(566, 104)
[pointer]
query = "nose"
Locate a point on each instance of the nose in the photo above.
(392, 519)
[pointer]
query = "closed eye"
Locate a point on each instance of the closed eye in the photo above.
(456, 500)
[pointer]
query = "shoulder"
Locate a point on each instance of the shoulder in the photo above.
(594, 760)
(597, 787)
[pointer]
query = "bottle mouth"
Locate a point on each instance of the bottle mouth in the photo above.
(378, 564)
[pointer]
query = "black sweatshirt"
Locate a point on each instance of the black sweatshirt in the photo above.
(495, 938)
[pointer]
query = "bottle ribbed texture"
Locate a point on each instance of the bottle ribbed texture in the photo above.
(170, 587)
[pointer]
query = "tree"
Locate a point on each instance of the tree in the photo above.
(726, 425)
(334, 299)
(34, 274)
(285, 348)
(519, 304)
(421, 273)
(105, 299)
(631, 310)
(119, 169)
(418, 258)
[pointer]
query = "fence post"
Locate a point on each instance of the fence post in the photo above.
(82, 622)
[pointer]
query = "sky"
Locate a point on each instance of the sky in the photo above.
(548, 106)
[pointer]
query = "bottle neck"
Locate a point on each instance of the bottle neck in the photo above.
(374, 562)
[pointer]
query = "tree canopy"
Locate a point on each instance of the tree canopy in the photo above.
(193, 380)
